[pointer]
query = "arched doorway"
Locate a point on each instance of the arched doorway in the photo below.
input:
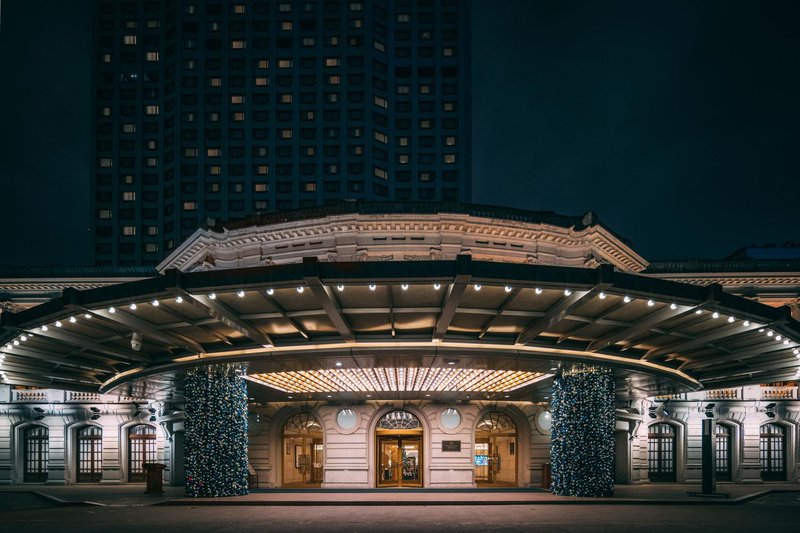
(772, 452)
(302, 451)
(495, 458)
(723, 460)
(661, 452)
(141, 449)
(36, 451)
(398, 438)
(89, 454)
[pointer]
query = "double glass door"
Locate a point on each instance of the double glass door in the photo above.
(399, 461)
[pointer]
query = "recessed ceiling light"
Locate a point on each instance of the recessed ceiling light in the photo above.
(44, 328)
(87, 315)
(746, 323)
(404, 286)
(731, 319)
(112, 310)
(338, 363)
(58, 323)
(698, 312)
(714, 315)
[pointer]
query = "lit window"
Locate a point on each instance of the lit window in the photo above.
(286, 98)
(425, 124)
(238, 9)
(402, 141)
(334, 79)
(424, 89)
(190, 152)
(129, 39)
(151, 248)
(355, 23)
(380, 173)
(307, 115)
(128, 196)
(260, 187)
(332, 62)
(129, 230)
(262, 170)
(261, 81)
(104, 214)
(357, 150)
(403, 17)
(151, 56)
(286, 134)
(151, 230)
(105, 58)
(381, 102)
(189, 206)
(284, 63)
(309, 151)
(450, 141)
(286, 25)
(151, 110)
(356, 6)
(213, 152)
(238, 44)
(285, 8)
(238, 116)
(425, 176)
(150, 145)
(237, 99)
(129, 128)
(309, 186)
(449, 106)
(263, 63)
(151, 162)
(403, 89)
(448, 52)
(379, 46)
(309, 41)
(153, 24)
(215, 170)
(105, 111)
(127, 179)
(213, 116)
(215, 82)
(106, 162)
(381, 137)
(333, 41)
(402, 159)
(449, 158)
(130, 24)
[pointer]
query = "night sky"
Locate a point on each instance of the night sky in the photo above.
(675, 121)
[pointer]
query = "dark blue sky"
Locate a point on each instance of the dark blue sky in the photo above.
(677, 121)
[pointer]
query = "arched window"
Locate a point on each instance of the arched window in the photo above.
(723, 459)
(399, 420)
(36, 449)
(303, 451)
(89, 454)
(495, 459)
(141, 449)
(661, 452)
(773, 452)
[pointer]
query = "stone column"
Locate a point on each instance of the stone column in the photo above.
(216, 431)
(582, 438)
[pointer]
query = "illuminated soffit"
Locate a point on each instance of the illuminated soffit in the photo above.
(397, 380)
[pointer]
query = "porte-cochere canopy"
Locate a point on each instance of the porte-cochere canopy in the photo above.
(403, 329)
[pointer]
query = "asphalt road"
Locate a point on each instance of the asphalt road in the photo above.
(778, 513)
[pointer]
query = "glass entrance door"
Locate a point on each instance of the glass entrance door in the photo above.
(399, 461)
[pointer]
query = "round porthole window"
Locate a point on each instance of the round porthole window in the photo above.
(544, 420)
(450, 418)
(346, 419)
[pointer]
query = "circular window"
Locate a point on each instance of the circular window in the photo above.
(450, 418)
(544, 420)
(346, 419)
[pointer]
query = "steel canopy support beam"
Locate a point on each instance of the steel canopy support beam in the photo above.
(718, 333)
(566, 306)
(325, 298)
(454, 294)
(643, 325)
(148, 330)
(63, 360)
(224, 314)
(755, 351)
(86, 343)
(505, 305)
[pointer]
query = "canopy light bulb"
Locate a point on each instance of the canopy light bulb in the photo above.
(23, 338)
(213, 295)
(340, 287)
(538, 290)
(650, 303)
(338, 363)
(45, 328)
(372, 286)
(746, 323)
(404, 286)
(87, 316)
(731, 319)
(179, 299)
(673, 306)
(58, 323)
(714, 315)
(437, 286)
(785, 341)
(698, 312)
(567, 292)
(627, 299)
(778, 338)
(240, 294)
(507, 288)
(602, 296)
(761, 330)
(477, 287)
(770, 334)
(133, 307)
(72, 320)
(155, 303)
(270, 291)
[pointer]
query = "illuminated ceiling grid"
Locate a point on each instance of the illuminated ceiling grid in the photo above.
(402, 379)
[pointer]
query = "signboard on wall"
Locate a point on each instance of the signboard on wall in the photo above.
(451, 445)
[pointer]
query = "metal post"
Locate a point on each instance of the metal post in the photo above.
(709, 474)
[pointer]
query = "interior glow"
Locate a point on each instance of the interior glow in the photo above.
(397, 379)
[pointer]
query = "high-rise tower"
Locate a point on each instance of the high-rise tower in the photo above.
(216, 109)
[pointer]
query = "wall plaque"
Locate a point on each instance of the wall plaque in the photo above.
(451, 445)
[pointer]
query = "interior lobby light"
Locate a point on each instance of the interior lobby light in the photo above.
(477, 287)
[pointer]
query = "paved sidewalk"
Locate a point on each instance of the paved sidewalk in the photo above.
(133, 495)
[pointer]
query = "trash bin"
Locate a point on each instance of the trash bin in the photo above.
(154, 477)
(546, 476)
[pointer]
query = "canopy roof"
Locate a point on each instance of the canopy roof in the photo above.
(335, 325)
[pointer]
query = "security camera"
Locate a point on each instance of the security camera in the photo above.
(136, 341)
